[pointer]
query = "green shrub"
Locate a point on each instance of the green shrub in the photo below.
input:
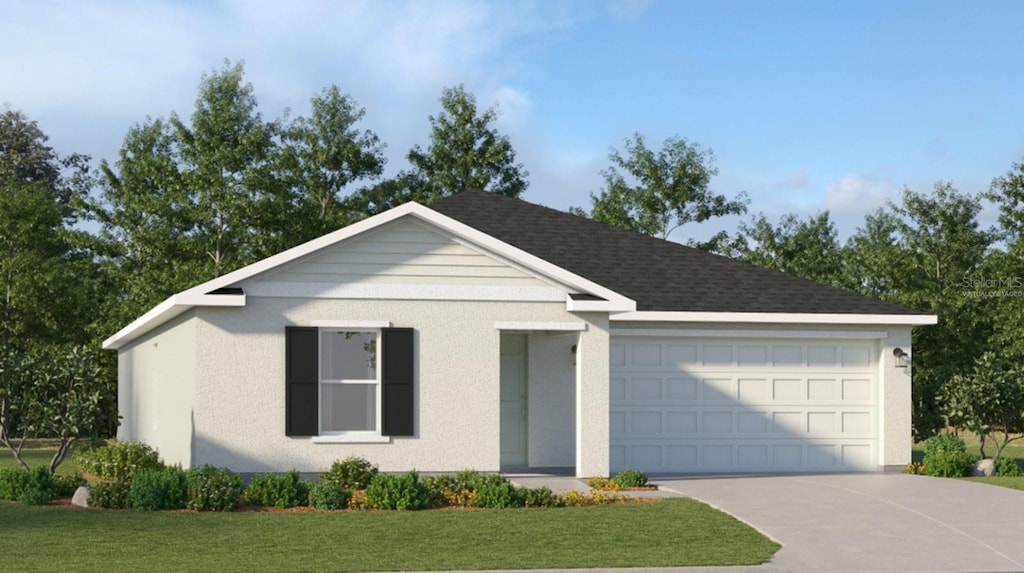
(118, 460)
(945, 455)
(278, 490)
(14, 482)
(539, 497)
(155, 490)
(401, 492)
(36, 496)
(631, 478)
(351, 473)
(65, 485)
(213, 489)
(326, 495)
(473, 480)
(110, 494)
(943, 443)
(1007, 467)
(499, 495)
(949, 464)
(440, 490)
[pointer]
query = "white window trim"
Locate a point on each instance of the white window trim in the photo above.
(351, 436)
(355, 325)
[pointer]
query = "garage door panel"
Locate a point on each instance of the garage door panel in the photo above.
(680, 405)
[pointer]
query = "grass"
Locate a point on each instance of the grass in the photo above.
(670, 533)
(37, 457)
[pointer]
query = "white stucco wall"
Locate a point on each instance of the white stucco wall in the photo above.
(240, 400)
(552, 400)
(894, 392)
(592, 375)
(156, 388)
(896, 406)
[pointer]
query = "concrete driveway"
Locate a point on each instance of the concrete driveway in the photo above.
(873, 522)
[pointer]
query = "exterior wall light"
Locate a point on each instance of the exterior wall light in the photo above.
(902, 357)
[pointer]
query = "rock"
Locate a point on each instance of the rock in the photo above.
(81, 497)
(984, 468)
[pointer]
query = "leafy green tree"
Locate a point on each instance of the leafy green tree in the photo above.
(917, 253)
(656, 192)
(987, 400)
(1002, 277)
(807, 248)
(59, 392)
(43, 266)
(465, 152)
(322, 156)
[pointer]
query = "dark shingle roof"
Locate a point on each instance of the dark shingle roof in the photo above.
(659, 275)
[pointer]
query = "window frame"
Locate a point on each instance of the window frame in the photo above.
(350, 435)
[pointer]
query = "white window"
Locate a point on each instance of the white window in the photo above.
(349, 382)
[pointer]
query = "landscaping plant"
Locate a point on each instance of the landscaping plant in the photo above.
(631, 478)
(278, 490)
(401, 492)
(326, 495)
(14, 482)
(117, 460)
(351, 473)
(1007, 467)
(154, 490)
(213, 489)
(110, 494)
(945, 455)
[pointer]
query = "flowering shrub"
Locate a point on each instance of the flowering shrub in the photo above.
(594, 497)
(118, 460)
(604, 484)
(213, 489)
(916, 468)
(351, 473)
(539, 497)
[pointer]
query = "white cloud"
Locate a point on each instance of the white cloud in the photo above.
(859, 194)
(796, 180)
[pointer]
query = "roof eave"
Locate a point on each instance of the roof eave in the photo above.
(165, 311)
(776, 318)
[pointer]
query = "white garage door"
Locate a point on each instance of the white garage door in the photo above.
(743, 405)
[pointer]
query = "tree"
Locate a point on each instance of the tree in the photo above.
(655, 193)
(43, 270)
(189, 200)
(465, 152)
(1001, 280)
(322, 156)
(917, 253)
(60, 393)
(807, 248)
(988, 400)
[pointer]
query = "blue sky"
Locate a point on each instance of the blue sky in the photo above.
(808, 105)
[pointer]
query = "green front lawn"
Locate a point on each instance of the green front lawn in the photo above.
(671, 533)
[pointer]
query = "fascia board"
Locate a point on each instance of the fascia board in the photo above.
(779, 318)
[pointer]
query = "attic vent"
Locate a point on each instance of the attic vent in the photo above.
(228, 290)
(584, 296)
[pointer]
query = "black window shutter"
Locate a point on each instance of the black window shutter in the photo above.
(397, 380)
(301, 380)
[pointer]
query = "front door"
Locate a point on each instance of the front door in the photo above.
(513, 401)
